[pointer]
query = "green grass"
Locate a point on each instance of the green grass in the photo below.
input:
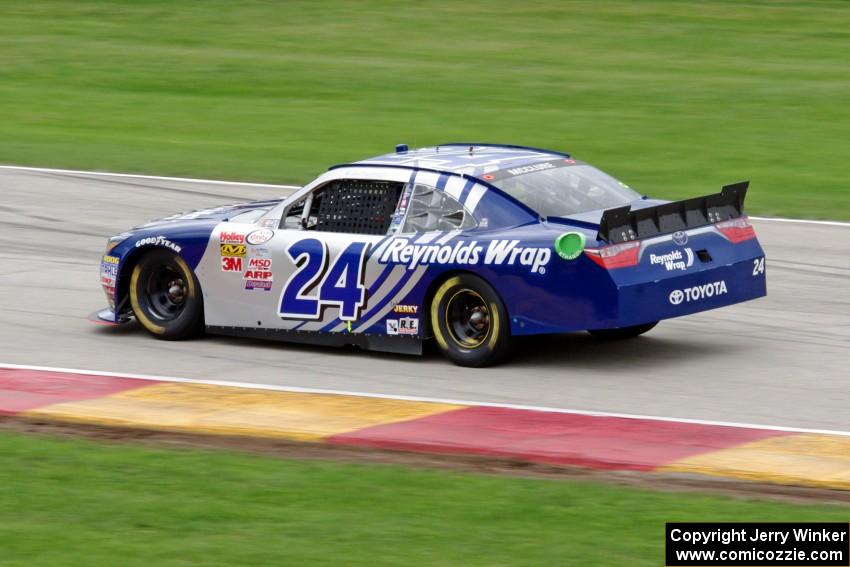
(77, 502)
(676, 98)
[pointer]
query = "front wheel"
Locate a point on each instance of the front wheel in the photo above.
(166, 296)
(469, 322)
(622, 332)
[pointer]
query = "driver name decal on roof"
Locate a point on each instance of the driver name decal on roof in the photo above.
(496, 252)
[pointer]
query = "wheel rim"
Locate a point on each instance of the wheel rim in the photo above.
(165, 293)
(468, 318)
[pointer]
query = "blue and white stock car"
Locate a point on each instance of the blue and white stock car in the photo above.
(471, 244)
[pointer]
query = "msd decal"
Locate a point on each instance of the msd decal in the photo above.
(496, 252)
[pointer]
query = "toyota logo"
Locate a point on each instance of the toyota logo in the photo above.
(680, 237)
(676, 296)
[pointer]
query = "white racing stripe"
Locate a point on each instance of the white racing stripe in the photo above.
(272, 387)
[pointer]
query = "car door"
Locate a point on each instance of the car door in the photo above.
(320, 256)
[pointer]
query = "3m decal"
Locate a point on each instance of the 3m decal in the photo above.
(259, 236)
(698, 292)
(233, 250)
(158, 241)
(230, 264)
(317, 283)
(497, 252)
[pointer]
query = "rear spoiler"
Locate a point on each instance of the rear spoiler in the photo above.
(623, 224)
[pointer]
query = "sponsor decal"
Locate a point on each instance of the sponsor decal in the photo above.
(698, 292)
(408, 326)
(229, 237)
(680, 237)
(260, 263)
(530, 168)
(270, 223)
(406, 309)
(158, 241)
(260, 251)
(403, 326)
(264, 285)
(110, 259)
(233, 250)
(230, 264)
(674, 260)
(259, 236)
(495, 253)
(258, 275)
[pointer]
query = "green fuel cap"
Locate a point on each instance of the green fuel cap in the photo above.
(569, 245)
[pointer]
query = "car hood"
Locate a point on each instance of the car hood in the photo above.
(250, 210)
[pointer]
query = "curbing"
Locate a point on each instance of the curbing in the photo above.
(762, 454)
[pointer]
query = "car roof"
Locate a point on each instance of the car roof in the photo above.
(468, 158)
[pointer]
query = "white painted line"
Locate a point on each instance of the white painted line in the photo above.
(247, 184)
(802, 221)
(136, 176)
(272, 387)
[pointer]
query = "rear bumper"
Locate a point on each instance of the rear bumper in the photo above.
(690, 293)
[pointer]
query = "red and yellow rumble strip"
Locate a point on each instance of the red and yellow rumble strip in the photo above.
(537, 436)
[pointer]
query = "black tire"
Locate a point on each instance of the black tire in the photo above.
(622, 332)
(469, 322)
(166, 296)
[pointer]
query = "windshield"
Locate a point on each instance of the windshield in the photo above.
(563, 187)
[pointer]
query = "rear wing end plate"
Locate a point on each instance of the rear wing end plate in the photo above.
(623, 224)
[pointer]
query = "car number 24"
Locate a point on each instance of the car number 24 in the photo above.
(340, 282)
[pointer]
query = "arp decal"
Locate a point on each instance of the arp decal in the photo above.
(698, 292)
(497, 252)
(318, 283)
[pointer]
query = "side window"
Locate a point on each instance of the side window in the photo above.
(356, 206)
(430, 209)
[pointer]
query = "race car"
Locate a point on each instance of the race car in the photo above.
(466, 243)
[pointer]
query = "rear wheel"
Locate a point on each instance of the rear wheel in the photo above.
(469, 322)
(622, 332)
(165, 295)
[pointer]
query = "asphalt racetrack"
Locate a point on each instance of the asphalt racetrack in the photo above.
(782, 360)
